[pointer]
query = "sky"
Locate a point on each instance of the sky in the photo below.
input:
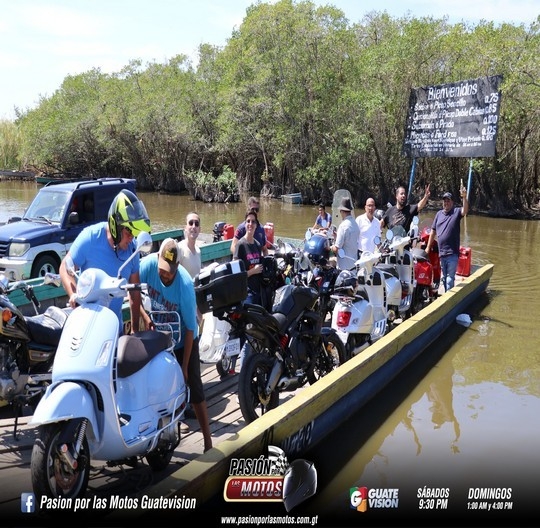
(43, 41)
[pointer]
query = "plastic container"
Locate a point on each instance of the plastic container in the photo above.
(228, 232)
(269, 231)
(219, 287)
(464, 261)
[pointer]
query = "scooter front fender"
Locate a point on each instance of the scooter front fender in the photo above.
(65, 401)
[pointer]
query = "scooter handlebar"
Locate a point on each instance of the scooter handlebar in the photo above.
(142, 287)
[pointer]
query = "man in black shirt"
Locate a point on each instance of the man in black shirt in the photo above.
(402, 213)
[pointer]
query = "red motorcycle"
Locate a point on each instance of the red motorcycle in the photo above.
(427, 270)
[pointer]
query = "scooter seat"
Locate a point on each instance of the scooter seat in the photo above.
(420, 254)
(46, 328)
(388, 270)
(135, 351)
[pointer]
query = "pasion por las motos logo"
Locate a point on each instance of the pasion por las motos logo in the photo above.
(270, 479)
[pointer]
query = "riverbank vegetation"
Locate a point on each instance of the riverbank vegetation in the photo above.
(299, 99)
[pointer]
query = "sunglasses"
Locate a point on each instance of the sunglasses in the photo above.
(194, 222)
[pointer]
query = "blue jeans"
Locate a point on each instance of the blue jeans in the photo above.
(448, 270)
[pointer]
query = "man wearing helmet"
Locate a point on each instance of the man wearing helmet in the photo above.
(106, 246)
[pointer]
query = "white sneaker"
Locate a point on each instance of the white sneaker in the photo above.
(184, 427)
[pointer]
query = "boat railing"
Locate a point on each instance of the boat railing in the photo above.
(50, 295)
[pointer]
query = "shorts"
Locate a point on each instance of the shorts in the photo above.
(196, 391)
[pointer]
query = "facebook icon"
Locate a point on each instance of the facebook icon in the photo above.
(28, 502)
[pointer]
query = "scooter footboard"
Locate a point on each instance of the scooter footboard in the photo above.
(64, 401)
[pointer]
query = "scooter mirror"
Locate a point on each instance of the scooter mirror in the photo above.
(144, 242)
(377, 240)
(307, 236)
(341, 252)
(144, 245)
(389, 235)
(415, 220)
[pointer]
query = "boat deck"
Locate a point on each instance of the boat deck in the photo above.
(225, 422)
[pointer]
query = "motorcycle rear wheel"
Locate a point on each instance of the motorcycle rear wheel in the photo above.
(51, 475)
(256, 369)
(331, 356)
(420, 297)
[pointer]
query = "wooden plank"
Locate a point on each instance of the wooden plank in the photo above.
(215, 251)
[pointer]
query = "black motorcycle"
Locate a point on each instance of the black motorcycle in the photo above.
(27, 345)
(285, 349)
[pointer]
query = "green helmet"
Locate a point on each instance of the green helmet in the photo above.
(127, 211)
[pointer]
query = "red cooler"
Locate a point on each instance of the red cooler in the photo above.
(464, 262)
(269, 231)
(228, 232)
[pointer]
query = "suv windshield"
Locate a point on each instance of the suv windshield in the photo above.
(49, 205)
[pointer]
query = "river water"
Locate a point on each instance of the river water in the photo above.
(467, 415)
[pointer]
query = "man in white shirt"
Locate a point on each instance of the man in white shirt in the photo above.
(347, 237)
(369, 227)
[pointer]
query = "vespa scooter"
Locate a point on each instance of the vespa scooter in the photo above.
(400, 258)
(360, 313)
(112, 398)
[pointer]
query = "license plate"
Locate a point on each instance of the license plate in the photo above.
(232, 347)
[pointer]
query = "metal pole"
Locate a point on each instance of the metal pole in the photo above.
(411, 178)
(469, 181)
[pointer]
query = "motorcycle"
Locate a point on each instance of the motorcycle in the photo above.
(27, 345)
(285, 348)
(221, 342)
(113, 398)
(322, 273)
(360, 315)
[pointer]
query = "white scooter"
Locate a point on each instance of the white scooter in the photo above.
(399, 262)
(112, 398)
(360, 314)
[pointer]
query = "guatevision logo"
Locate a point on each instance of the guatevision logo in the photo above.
(361, 498)
(358, 497)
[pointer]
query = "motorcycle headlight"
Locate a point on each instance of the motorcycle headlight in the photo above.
(85, 284)
(18, 249)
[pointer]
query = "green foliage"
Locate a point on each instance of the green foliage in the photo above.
(209, 187)
(10, 146)
(300, 98)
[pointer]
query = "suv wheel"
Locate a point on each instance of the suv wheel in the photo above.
(44, 264)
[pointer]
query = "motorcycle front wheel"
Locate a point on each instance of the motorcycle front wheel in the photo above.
(160, 458)
(52, 476)
(330, 357)
(254, 375)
